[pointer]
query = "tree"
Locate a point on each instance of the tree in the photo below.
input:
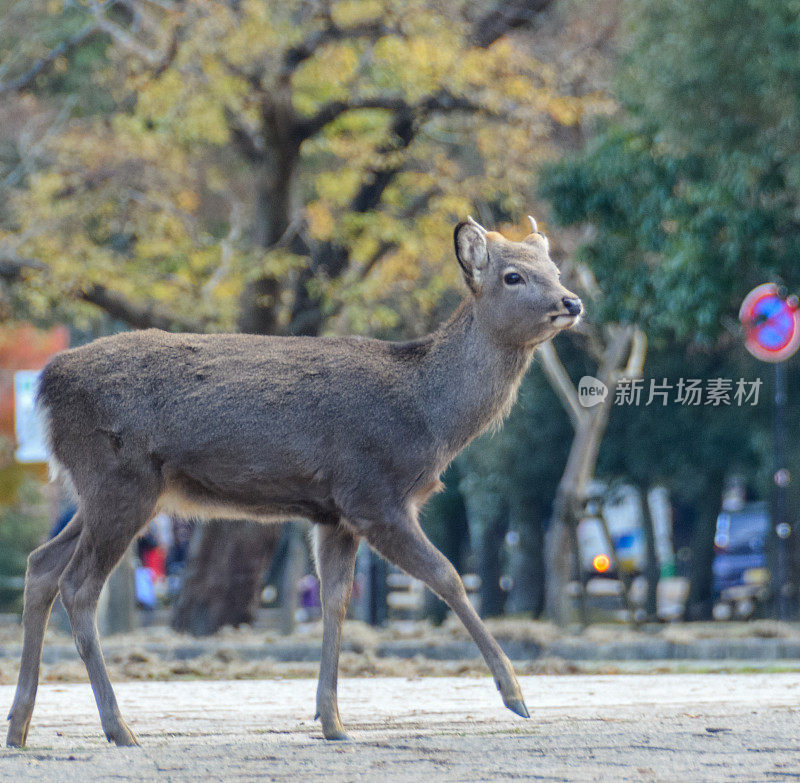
(288, 169)
(618, 352)
(691, 190)
(223, 577)
(274, 168)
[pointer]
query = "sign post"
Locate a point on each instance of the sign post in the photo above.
(771, 322)
(27, 427)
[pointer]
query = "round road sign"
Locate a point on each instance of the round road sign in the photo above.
(771, 323)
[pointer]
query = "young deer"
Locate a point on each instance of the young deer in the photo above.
(347, 432)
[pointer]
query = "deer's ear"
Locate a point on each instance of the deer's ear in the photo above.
(471, 252)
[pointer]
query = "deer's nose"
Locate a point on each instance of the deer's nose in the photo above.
(573, 305)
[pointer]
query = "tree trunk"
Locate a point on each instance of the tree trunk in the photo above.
(450, 534)
(293, 569)
(652, 568)
(699, 604)
(561, 565)
(590, 425)
(275, 195)
(527, 564)
(116, 613)
(223, 575)
(490, 562)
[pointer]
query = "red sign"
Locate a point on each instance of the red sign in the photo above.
(771, 323)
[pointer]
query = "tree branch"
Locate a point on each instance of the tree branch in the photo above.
(505, 16)
(407, 117)
(100, 24)
(124, 39)
(295, 55)
(635, 364)
(250, 143)
(310, 126)
(382, 250)
(47, 60)
(236, 223)
(170, 54)
(377, 179)
(253, 79)
(444, 102)
(561, 383)
(139, 316)
(13, 266)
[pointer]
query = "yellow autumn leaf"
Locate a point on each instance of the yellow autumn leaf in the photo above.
(320, 221)
(563, 110)
(187, 200)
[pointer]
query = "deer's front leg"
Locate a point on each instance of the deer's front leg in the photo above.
(402, 542)
(335, 549)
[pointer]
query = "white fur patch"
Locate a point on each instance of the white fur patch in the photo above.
(176, 503)
(565, 321)
(57, 471)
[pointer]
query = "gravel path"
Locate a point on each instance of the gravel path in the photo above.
(684, 727)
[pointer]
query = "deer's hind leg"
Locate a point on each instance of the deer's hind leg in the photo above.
(45, 566)
(113, 513)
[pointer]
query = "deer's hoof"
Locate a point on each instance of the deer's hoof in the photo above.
(335, 733)
(122, 736)
(17, 736)
(338, 736)
(518, 706)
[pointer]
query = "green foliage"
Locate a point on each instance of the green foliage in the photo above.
(32, 29)
(694, 191)
(22, 528)
(678, 445)
(718, 78)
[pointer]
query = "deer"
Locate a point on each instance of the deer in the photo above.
(348, 433)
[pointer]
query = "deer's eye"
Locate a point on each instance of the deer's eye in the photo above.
(512, 278)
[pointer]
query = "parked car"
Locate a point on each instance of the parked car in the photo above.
(740, 560)
(622, 509)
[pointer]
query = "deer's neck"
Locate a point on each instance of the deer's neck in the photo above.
(469, 381)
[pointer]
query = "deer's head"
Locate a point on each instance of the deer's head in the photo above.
(518, 293)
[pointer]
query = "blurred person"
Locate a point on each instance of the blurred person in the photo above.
(151, 555)
(146, 547)
(178, 554)
(310, 604)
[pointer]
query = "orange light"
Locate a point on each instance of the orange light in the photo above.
(601, 563)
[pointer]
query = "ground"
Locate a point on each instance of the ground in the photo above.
(665, 727)
(416, 648)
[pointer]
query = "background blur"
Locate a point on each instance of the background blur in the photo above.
(298, 167)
